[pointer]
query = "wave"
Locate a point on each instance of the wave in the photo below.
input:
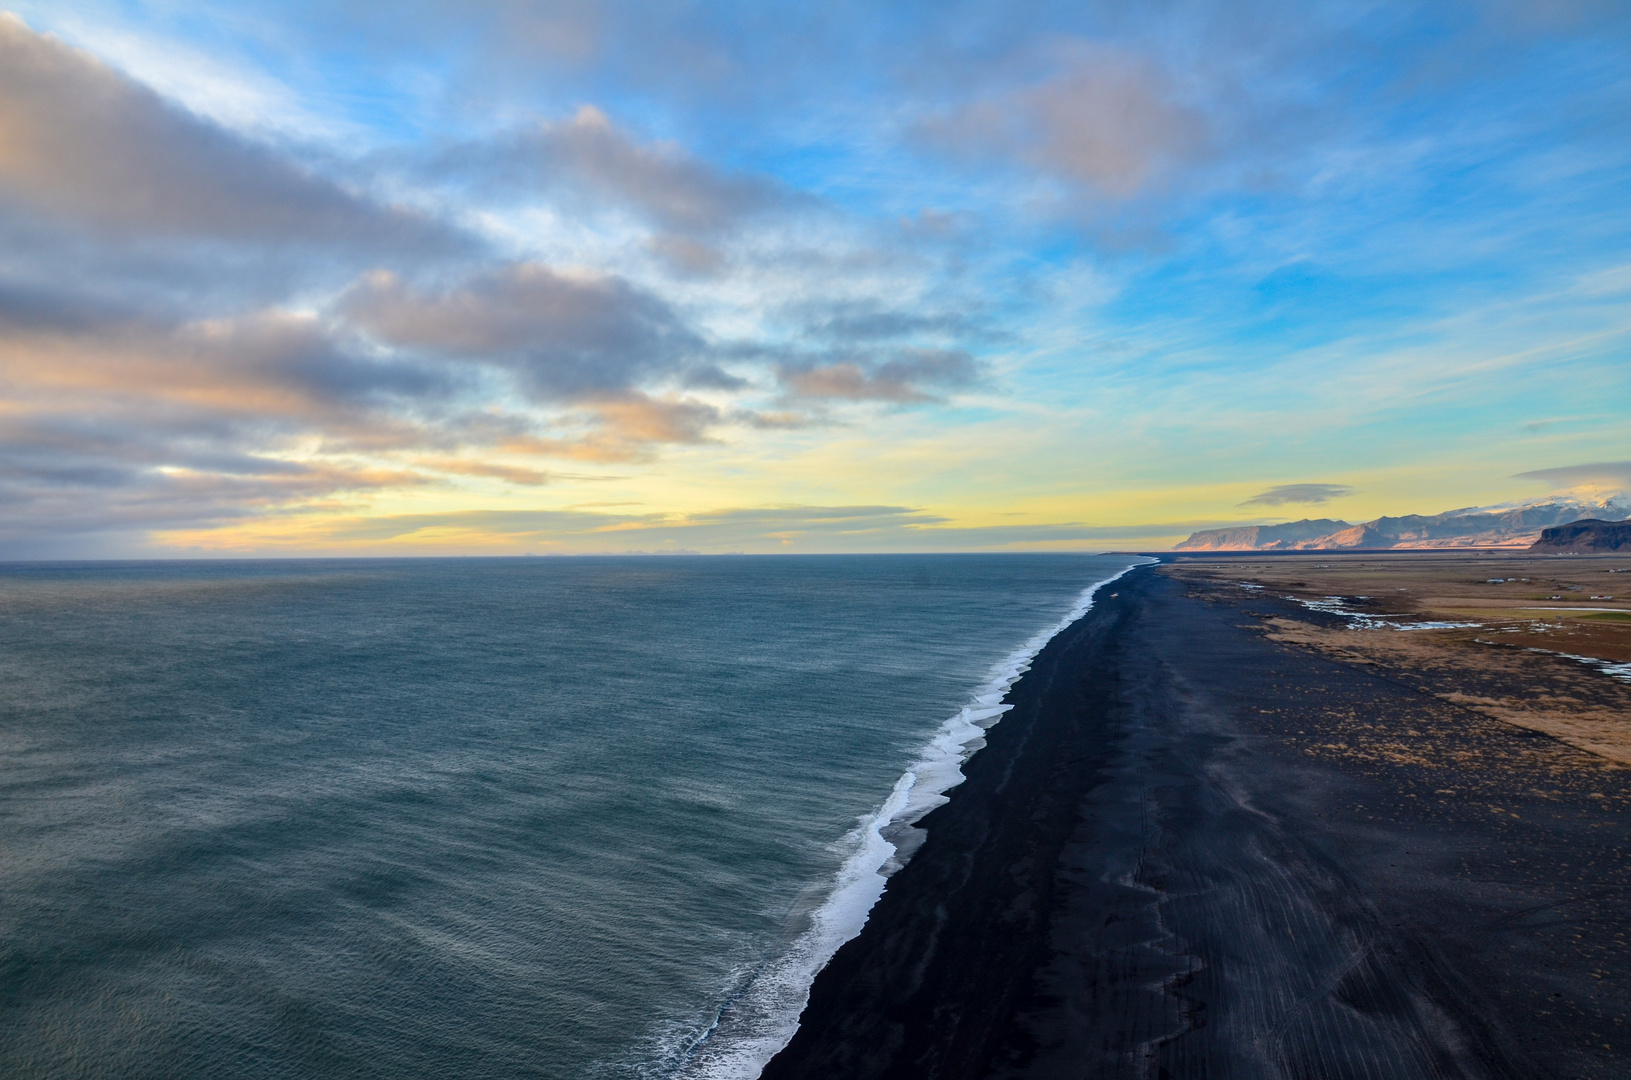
(761, 1018)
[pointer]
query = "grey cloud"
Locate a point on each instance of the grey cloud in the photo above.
(46, 260)
(86, 144)
(238, 401)
(636, 418)
(121, 465)
(908, 375)
(687, 255)
(300, 354)
(509, 473)
(28, 308)
(772, 421)
(732, 527)
(1299, 493)
(592, 159)
(106, 450)
(118, 424)
(583, 341)
(118, 476)
(566, 336)
(873, 322)
(1108, 123)
(839, 516)
(271, 364)
(515, 523)
(38, 513)
(1568, 476)
(622, 426)
(759, 528)
(713, 377)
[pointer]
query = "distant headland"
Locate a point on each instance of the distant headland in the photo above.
(1589, 535)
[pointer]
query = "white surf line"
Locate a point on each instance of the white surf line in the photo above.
(764, 1018)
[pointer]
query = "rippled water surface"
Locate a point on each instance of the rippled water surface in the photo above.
(485, 818)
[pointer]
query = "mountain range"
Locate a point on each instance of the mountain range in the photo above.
(1512, 525)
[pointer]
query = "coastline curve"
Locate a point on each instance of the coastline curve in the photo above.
(762, 1018)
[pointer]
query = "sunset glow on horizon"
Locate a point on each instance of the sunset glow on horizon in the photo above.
(589, 277)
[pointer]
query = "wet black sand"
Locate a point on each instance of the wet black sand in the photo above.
(1192, 852)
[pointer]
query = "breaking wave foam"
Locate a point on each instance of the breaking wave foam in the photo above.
(761, 1019)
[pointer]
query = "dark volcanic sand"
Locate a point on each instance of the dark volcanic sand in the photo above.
(1192, 852)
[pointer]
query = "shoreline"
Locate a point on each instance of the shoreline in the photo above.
(765, 1016)
(1158, 866)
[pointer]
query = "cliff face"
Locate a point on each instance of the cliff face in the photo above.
(1506, 526)
(1588, 535)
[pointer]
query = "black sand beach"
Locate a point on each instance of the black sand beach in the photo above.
(1191, 851)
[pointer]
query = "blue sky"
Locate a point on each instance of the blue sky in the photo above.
(510, 277)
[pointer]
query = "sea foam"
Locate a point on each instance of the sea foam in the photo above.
(756, 1023)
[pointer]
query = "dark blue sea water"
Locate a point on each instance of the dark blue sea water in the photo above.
(470, 818)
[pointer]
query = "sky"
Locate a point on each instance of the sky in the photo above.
(504, 277)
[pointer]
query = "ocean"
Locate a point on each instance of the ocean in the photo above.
(541, 817)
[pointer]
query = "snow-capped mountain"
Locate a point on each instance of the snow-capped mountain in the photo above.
(1510, 525)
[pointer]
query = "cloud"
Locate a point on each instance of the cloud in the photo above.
(185, 308)
(29, 309)
(113, 420)
(512, 474)
(1595, 474)
(713, 528)
(909, 375)
(182, 316)
(113, 466)
(85, 144)
(128, 403)
(869, 321)
(757, 528)
(751, 528)
(567, 336)
(686, 255)
(636, 418)
(595, 162)
(114, 477)
(706, 376)
(1299, 493)
(1108, 124)
(772, 421)
(268, 364)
